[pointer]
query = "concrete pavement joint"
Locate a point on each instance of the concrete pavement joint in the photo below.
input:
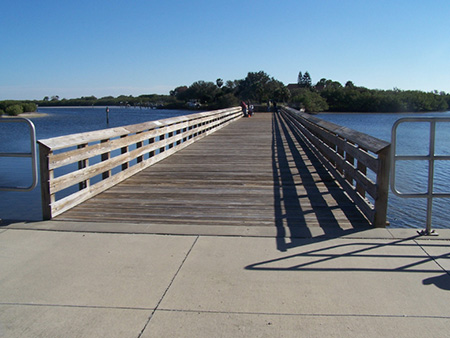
(304, 314)
(168, 287)
(432, 258)
(78, 306)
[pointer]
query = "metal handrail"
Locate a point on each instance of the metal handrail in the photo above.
(431, 158)
(32, 154)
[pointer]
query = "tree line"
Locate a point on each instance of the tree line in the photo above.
(15, 108)
(329, 95)
(260, 88)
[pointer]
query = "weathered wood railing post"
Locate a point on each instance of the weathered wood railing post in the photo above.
(105, 157)
(381, 200)
(169, 136)
(81, 165)
(46, 176)
(151, 141)
(161, 138)
(124, 150)
(139, 144)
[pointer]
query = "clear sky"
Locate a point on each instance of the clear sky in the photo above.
(133, 47)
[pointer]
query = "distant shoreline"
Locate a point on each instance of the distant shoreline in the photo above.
(27, 115)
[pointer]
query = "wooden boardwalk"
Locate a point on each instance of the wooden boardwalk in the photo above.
(254, 172)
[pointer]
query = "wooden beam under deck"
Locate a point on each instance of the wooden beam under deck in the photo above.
(254, 172)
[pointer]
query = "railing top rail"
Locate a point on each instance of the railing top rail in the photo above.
(66, 141)
(366, 141)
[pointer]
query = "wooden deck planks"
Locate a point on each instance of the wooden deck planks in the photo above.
(255, 172)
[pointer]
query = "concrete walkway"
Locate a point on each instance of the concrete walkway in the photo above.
(86, 281)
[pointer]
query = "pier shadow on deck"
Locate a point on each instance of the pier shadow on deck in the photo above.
(327, 206)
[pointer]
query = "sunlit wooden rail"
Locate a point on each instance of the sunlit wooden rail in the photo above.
(286, 169)
(80, 166)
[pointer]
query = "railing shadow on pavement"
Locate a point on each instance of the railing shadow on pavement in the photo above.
(366, 256)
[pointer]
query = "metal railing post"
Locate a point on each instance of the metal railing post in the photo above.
(430, 158)
(32, 154)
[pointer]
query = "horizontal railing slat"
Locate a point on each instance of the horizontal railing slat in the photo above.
(73, 140)
(364, 140)
(364, 157)
(72, 156)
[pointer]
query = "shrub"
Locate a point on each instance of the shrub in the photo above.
(1, 112)
(29, 107)
(14, 110)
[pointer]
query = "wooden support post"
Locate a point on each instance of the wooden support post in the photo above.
(105, 157)
(152, 153)
(169, 136)
(162, 137)
(44, 153)
(124, 150)
(381, 200)
(139, 145)
(81, 165)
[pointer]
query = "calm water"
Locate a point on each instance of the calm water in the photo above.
(411, 177)
(14, 137)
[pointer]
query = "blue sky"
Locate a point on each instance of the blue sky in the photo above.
(98, 47)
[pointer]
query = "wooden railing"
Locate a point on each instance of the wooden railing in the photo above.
(77, 167)
(348, 154)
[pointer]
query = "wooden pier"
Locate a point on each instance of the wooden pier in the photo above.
(256, 171)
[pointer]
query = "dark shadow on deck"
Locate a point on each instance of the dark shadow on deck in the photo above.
(287, 207)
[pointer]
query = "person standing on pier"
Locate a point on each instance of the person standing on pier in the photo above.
(244, 108)
(250, 109)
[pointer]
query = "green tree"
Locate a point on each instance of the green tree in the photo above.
(14, 110)
(227, 100)
(321, 84)
(179, 92)
(254, 86)
(299, 78)
(219, 83)
(306, 81)
(260, 87)
(350, 85)
(278, 91)
(203, 91)
(309, 100)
